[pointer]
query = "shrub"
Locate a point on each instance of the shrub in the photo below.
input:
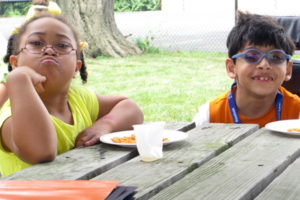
(146, 46)
(136, 5)
(14, 9)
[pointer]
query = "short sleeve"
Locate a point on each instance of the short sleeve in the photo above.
(203, 114)
(5, 112)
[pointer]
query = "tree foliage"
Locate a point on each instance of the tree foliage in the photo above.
(136, 5)
(14, 9)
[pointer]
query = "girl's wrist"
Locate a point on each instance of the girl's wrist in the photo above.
(107, 121)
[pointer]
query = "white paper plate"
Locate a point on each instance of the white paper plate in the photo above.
(173, 136)
(283, 126)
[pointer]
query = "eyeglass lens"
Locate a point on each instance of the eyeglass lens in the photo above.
(36, 47)
(274, 57)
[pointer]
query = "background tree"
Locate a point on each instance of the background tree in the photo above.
(95, 22)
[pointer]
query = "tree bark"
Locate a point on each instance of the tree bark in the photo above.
(95, 22)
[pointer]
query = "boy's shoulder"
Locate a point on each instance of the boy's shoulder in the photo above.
(221, 98)
(289, 97)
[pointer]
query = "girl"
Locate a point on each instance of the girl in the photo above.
(40, 7)
(47, 116)
(3, 72)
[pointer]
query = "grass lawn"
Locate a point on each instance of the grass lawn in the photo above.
(168, 86)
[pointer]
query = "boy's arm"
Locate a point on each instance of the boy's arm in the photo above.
(29, 132)
(116, 113)
(203, 114)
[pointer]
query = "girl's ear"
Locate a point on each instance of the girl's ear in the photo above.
(78, 66)
(230, 68)
(13, 61)
(289, 71)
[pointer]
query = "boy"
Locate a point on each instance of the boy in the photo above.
(259, 60)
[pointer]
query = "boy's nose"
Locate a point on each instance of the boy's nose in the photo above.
(264, 64)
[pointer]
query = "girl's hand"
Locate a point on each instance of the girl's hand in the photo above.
(91, 135)
(36, 78)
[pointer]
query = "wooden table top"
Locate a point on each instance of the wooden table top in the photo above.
(216, 161)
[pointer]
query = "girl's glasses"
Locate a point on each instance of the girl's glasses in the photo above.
(254, 56)
(38, 47)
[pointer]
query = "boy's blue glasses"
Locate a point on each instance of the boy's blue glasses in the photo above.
(254, 56)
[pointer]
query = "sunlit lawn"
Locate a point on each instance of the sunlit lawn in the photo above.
(168, 86)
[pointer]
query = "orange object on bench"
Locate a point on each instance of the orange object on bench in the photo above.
(56, 189)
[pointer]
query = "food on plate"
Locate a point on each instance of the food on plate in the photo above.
(125, 139)
(129, 139)
(293, 130)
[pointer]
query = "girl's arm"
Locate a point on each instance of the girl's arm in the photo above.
(116, 113)
(29, 132)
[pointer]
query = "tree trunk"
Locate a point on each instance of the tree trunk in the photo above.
(95, 22)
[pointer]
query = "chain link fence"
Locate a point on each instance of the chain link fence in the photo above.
(196, 25)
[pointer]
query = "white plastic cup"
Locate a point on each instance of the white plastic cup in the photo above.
(149, 140)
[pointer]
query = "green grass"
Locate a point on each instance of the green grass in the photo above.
(168, 86)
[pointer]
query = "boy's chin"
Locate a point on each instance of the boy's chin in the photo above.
(262, 93)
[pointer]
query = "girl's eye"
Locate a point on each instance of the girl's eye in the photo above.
(62, 45)
(36, 43)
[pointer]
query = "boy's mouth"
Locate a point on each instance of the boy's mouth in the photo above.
(262, 78)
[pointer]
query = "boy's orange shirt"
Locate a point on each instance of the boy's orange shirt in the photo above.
(219, 110)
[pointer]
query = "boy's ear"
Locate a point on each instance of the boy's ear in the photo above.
(13, 61)
(230, 68)
(289, 70)
(78, 66)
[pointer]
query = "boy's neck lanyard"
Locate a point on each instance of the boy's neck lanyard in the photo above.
(234, 112)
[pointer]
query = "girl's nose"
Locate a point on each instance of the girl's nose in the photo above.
(49, 50)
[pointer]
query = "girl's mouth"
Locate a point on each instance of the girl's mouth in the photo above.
(49, 61)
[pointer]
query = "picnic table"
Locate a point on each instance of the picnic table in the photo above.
(216, 161)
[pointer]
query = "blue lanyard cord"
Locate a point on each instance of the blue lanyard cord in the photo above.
(234, 111)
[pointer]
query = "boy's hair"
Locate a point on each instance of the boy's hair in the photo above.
(258, 30)
(40, 2)
(14, 40)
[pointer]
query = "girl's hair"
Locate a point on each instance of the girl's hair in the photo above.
(14, 40)
(40, 2)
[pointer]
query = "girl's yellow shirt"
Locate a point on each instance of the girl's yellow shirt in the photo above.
(85, 109)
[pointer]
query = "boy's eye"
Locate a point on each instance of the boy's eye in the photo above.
(252, 56)
(276, 57)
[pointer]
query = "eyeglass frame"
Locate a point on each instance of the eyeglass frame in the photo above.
(243, 55)
(46, 47)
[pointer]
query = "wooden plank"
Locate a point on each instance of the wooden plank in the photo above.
(82, 163)
(203, 143)
(242, 172)
(286, 186)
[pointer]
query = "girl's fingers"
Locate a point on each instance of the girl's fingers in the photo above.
(82, 140)
(92, 141)
(39, 87)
